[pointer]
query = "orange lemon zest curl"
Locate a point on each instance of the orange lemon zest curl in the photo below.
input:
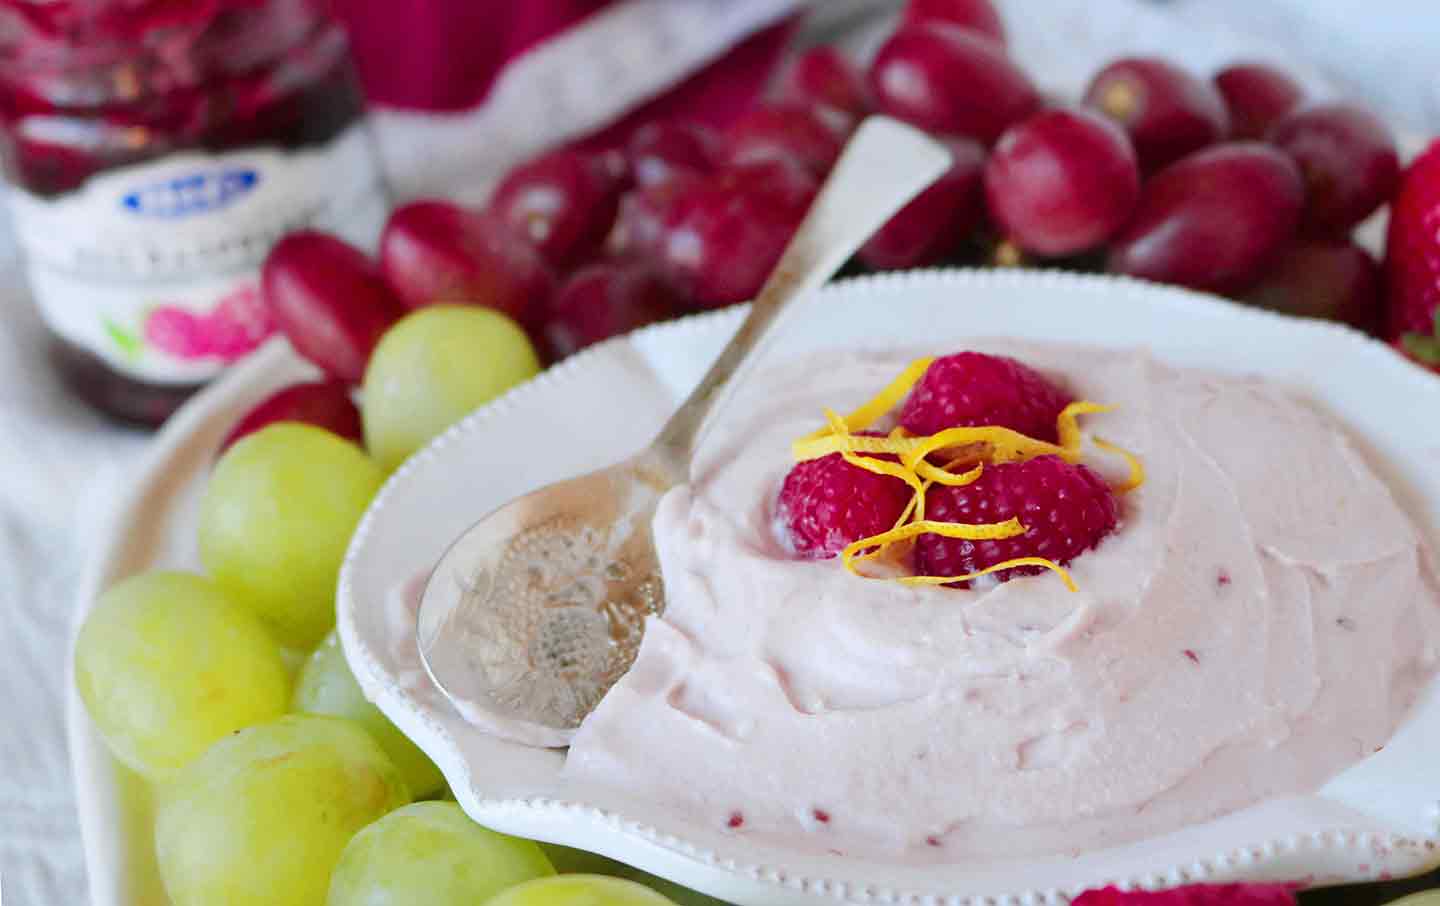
(1051, 565)
(883, 401)
(880, 466)
(1067, 426)
(1137, 468)
(933, 473)
(983, 532)
(812, 447)
(1001, 445)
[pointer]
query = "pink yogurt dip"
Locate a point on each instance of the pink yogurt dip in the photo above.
(1263, 617)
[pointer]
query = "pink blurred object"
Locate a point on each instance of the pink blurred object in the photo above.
(446, 55)
(1193, 895)
(238, 324)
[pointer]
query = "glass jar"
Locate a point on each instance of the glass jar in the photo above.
(155, 150)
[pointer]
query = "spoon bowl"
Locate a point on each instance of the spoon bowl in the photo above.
(539, 608)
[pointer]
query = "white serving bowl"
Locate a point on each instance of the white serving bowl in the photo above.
(1378, 819)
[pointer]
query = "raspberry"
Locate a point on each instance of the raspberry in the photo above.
(971, 389)
(1065, 508)
(1412, 261)
(827, 503)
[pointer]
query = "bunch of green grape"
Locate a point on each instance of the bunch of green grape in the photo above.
(278, 788)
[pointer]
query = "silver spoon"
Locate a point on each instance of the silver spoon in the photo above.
(537, 609)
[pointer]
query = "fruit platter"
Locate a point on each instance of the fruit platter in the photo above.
(1174, 297)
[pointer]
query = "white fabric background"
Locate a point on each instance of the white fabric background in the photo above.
(60, 466)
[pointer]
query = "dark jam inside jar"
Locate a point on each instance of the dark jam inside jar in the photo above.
(155, 150)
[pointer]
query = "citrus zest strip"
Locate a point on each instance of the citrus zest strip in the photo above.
(983, 532)
(1005, 445)
(811, 447)
(881, 467)
(932, 473)
(1067, 425)
(841, 429)
(916, 505)
(1051, 565)
(881, 402)
(1137, 468)
(904, 515)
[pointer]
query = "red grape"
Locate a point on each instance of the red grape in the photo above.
(1256, 96)
(1333, 279)
(1348, 160)
(1063, 181)
(603, 300)
(640, 225)
(976, 15)
(658, 150)
(813, 136)
(724, 234)
(325, 404)
(329, 299)
(784, 184)
(1213, 220)
(947, 80)
(1168, 112)
(937, 220)
(435, 251)
(823, 77)
(564, 202)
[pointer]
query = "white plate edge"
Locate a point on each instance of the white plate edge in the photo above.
(90, 759)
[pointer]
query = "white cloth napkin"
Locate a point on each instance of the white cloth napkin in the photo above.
(61, 467)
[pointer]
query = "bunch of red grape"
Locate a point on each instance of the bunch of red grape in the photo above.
(1234, 185)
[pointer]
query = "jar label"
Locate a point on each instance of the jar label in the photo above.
(155, 267)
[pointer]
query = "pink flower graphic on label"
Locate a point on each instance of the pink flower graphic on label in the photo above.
(228, 332)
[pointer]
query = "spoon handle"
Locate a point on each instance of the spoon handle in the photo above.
(885, 165)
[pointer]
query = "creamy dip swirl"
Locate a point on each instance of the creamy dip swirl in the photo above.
(1262, 618)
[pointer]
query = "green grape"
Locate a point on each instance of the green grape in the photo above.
(430, 853)
(276, 519)
(579, 890)
(576, 861)
(326, 686)
(262, 817)
(166, 664)
(433, 368)
(1423, 898)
